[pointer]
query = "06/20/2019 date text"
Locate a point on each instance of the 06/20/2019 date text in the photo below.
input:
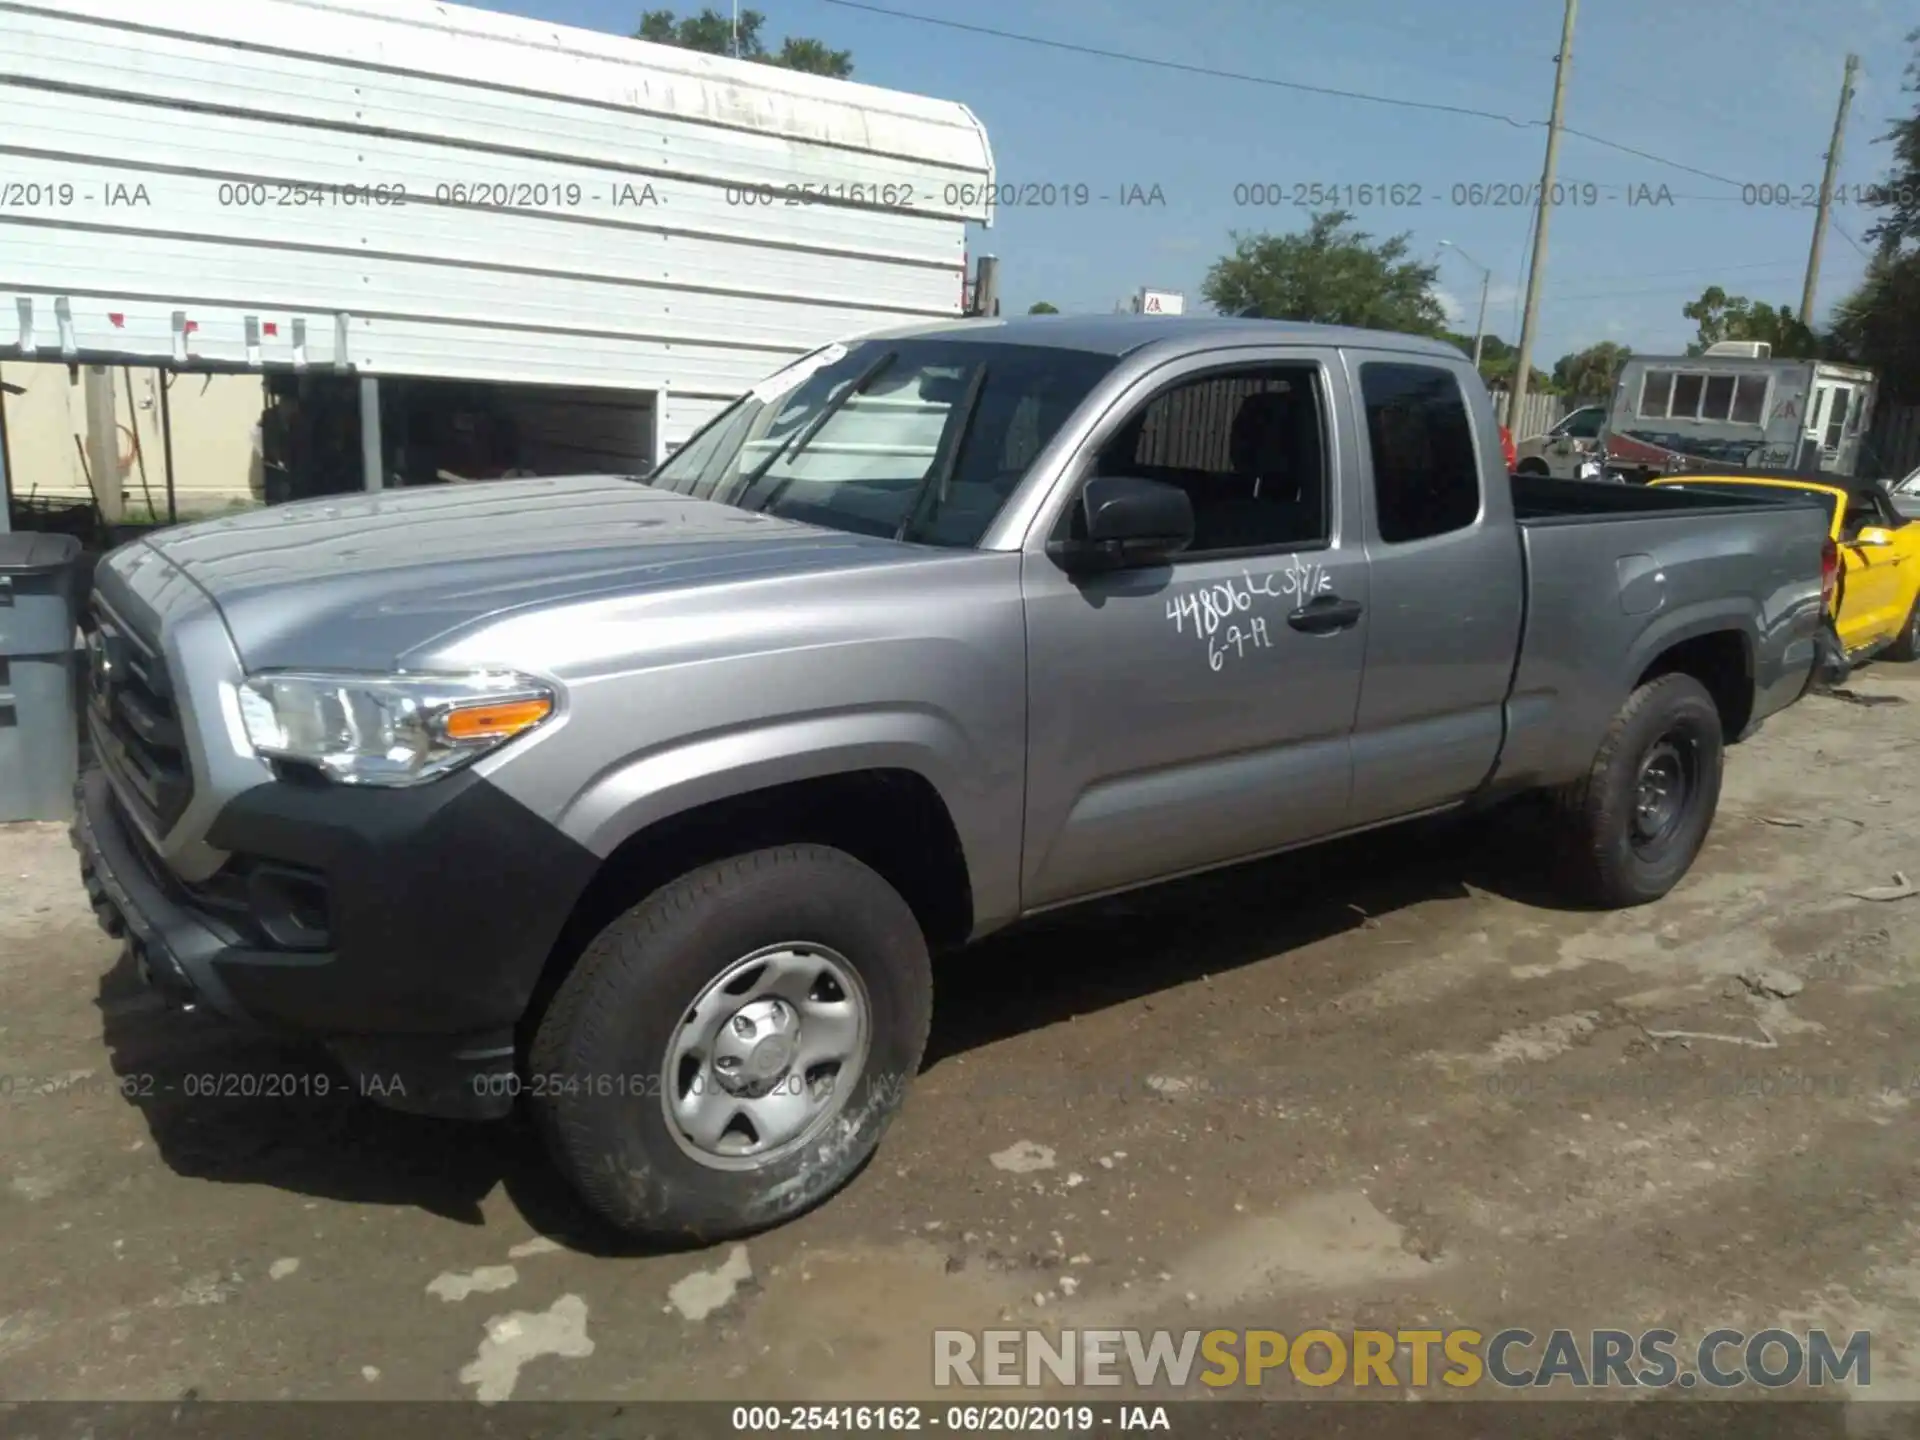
(956, 1419)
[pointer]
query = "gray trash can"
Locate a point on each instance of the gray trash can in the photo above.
(39, 727)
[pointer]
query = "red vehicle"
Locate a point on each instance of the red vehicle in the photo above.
(1506, 447)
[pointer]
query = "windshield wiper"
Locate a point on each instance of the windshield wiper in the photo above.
(940, 473)
(803, 437)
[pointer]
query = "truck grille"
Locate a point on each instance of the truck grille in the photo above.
(134, 722)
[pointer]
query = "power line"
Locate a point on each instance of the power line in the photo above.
(1364, 97)
(1654, 290)
(1593, 139)
(1865, 253)
(1204, 70)
(1774, 265)
(1215, 73)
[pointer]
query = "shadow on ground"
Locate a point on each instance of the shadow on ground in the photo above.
(231, 1108)
(1111, 952)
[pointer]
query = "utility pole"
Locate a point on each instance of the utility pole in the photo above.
(1480, 325)
(986, 286)
(1826, 192)
(1523, 362)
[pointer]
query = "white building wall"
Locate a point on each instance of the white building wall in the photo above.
(410, 188)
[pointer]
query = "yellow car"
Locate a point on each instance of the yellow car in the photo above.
(1874, 553)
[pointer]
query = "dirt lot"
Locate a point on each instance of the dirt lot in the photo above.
(1385, 1085)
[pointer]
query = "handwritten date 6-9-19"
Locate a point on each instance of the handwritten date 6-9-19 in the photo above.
(1220, 613)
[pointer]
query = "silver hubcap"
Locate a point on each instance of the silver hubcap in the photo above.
(766, 1057)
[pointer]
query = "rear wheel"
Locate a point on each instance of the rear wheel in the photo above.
(1907, 647)
(728, 1053)
(1632, 828)
(1533, 467)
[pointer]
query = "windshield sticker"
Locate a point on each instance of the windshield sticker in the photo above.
(782, 382)
(1212, 613)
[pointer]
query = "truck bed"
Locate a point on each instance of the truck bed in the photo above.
(1542, 500)
(1616, 574)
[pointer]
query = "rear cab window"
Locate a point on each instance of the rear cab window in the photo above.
(1426, 470)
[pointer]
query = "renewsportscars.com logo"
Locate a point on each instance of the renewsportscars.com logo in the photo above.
(1512, 1359)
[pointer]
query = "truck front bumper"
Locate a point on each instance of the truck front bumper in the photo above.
(430, 919)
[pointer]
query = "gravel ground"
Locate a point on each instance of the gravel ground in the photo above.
(1385, 1084)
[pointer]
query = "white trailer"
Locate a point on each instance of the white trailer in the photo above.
(404, 188)
(1736, 406)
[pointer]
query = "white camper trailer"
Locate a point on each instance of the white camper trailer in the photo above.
(1735, 406)
(608, 238)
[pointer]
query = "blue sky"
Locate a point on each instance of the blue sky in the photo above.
(1741, 89)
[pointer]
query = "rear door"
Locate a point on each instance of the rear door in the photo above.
(1196, 713)
(1446, 580)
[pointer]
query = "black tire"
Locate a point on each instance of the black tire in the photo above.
(617, 1011)
(1607, 860)
(1907, 647)
(1531, 466)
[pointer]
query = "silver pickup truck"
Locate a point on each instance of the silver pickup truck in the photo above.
(647, 803)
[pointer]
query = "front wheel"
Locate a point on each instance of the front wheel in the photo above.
(1632, 828)
(728, 1053)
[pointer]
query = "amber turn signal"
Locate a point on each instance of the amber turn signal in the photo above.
(496, 721)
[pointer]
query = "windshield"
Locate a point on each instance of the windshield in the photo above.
(922, 440)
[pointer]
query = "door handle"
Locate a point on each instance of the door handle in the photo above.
(1326, 614)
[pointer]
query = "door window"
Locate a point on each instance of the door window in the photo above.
(1247, 446)
(1583, 424)
(1426, 476)
(1837, 418)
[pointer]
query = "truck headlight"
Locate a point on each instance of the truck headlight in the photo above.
(389, 729)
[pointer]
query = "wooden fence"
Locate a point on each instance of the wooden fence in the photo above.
(1540, 413)
(1893, 444)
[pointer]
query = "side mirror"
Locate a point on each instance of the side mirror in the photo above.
(1873, 535)
(1127, 522)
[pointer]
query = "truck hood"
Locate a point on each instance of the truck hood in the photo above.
(357, 582)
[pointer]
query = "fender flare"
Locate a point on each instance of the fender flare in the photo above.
(642, 790)
(1691, 622)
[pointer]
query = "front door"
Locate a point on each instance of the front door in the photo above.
(1873, 579)
(1196, 713)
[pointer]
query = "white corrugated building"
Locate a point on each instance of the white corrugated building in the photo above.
(399, 188)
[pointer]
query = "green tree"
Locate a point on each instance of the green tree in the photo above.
(1590, 374)
(1041, 307)
(713, 33)
(1721, 316)
(1498, 361)
(1898, 199)
(1878, 326)
(1328, 274)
